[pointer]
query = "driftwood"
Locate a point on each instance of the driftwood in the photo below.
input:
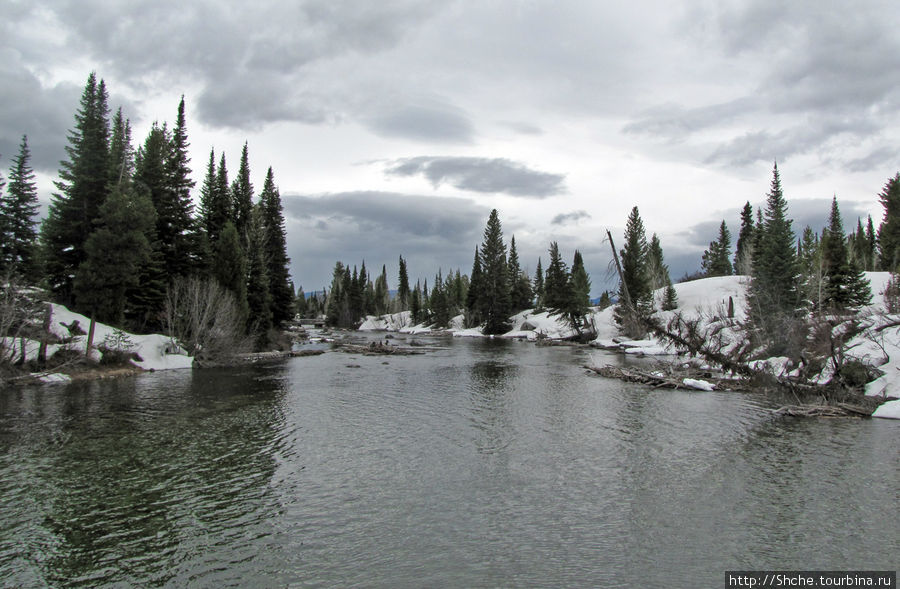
(657, 379)
(837, 410)
(377, 349)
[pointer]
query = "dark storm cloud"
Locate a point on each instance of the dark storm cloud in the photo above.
(378, 227)
(566, 218)
(43, 114)
(476, 174)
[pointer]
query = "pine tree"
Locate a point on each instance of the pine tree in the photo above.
(812, 268)
(579, 292)
(556, 282)
(382, 300)
(18, 211)
(182, 252)
(773, 294)
(403, 287)
(495, 278)
(670, 298)
(519, 283)
(415, 304)
(301, 306)
(259, 297)
(440, 308)
(242, 195)
(743, 251)
(474, 297)
(889, 230)
(538, 287)
(872, 243)
(845, 284)
(275, 252)
(336, 300)
(83, 186)
(634, 277)
(717, 259)
(116, 252)
(657, 270)
(121, 152)
(229, 266)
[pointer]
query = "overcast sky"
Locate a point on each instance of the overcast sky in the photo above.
(393, 127)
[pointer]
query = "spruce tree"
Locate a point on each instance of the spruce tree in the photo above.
(811, 267)
(717, 259)
(495, 278)
(846, 286)
(889, 230)
(743, 250)
(403, 287)
(121, 151)
(336, 299)
(474, 297)
(179, 231)
(633, 257)
(556, 282)
(242, 195)
(18, 212)
(382, 300)
(519, 283)
(259, 297)
(83, 186)
(116, 252)
(579, 292)
(538, 287)
(229, 265)
(773, 295)
(657, 270)
(275, 252)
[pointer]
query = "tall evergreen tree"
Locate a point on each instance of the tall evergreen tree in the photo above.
(717, 259)
(121, 151)
(18, 211)
(259, 296)
(495, 278)
(475, 298)
(845, 284)
(242, 195)
(538, 287)
(382, 299)
(743, 251)
(889, 230)
(579, 292)
(403, 291)
(176, 226)
(773, 295)
(83, 186)
(519, 284)
(556, 282)
(275, 252)
(229, 266)
(116, 252)
(633, 257)
(657, 270)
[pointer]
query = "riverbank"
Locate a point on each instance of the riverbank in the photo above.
(717, 307)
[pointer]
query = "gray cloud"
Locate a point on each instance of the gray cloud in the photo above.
(378, 227)
(435, 122)
(573, 217)
(477, 174)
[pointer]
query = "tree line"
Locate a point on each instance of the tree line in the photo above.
(122, 230)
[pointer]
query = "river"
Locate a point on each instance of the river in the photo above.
(479, 463)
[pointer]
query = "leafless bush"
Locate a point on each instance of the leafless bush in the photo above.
(204, 317)
(19, 312)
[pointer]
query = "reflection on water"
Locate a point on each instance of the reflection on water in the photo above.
(481, 463)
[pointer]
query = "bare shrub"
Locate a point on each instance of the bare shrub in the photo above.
(204, 317)
(19, 312)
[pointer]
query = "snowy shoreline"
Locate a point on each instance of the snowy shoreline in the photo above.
(709, 300)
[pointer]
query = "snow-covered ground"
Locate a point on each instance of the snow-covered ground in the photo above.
(708, 299)
(154, 350)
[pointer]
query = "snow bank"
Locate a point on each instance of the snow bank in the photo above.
(157, 352)
(889, 410)
(700, 385)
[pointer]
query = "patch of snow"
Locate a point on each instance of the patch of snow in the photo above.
(54, 378)
(889, 410)
(700, 385)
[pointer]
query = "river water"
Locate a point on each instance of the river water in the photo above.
(478, 464)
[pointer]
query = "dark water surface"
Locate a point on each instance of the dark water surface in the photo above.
(479, 464)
